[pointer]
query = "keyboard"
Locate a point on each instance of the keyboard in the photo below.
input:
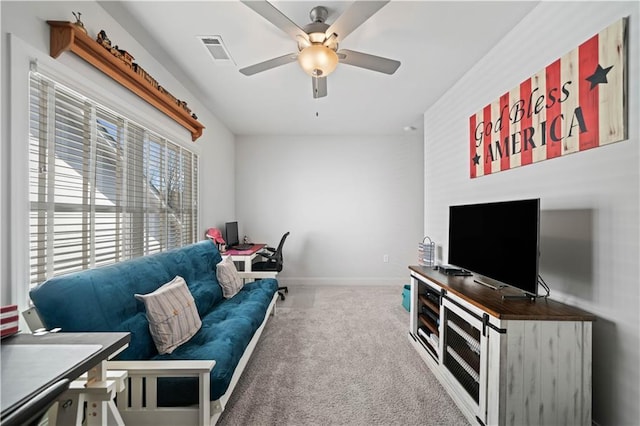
(242, 247)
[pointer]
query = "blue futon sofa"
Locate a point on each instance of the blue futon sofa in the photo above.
(102, 299)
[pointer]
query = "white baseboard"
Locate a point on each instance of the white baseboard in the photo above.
(350, 281)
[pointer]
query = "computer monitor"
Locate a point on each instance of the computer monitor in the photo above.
(231, 234)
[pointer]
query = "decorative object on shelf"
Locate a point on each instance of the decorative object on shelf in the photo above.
(104, 40)
(427, 253)
(128, 59)
(118, 64)
(78, 22)
(576, 103)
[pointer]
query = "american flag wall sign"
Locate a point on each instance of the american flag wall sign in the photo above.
(576, 103)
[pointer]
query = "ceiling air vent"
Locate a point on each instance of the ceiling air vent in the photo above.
(216, 48)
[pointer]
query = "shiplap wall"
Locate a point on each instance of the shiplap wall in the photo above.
(590, 233)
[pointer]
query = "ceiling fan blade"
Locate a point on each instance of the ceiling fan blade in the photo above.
(271, 63)
(370, 62)
(277, 18)
(319, 87)
(353, 17)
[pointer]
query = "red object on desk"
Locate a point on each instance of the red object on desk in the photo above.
(255, 248)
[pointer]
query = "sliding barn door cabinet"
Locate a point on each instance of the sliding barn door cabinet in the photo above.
(503, 361)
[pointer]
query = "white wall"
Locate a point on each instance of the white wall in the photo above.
(4, 182)
(25, 36)
(347, 202)
(590, 200)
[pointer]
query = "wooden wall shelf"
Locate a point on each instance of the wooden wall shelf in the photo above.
(65, 36)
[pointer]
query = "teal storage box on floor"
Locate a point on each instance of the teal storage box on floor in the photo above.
(406, 297)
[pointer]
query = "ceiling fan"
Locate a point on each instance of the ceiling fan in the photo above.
(318, 52)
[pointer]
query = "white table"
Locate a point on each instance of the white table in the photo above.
(244, 256)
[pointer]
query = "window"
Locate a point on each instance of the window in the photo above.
(102, 187)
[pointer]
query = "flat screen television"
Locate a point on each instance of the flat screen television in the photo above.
(498, 242)
(231, 234)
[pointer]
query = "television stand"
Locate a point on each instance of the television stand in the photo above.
(501, 362)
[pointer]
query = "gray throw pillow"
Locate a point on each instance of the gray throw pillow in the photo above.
(228, 277)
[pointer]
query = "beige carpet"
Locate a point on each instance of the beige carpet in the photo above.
(337, 355)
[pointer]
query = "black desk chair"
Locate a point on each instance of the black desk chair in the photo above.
(273, 262)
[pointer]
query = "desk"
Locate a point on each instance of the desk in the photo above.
(244, 256)
(31, 363)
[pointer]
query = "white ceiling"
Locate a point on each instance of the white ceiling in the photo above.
(436, 41)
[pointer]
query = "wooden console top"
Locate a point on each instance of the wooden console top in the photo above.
(490, 300)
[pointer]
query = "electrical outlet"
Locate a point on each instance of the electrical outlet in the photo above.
(385, 258)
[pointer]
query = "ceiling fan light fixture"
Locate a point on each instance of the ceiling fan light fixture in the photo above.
(318, 60)
(317, 37)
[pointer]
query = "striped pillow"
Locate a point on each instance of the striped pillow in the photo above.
(228, 278)
(172, 315)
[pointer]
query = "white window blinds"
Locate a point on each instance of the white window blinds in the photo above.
(102, 187)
